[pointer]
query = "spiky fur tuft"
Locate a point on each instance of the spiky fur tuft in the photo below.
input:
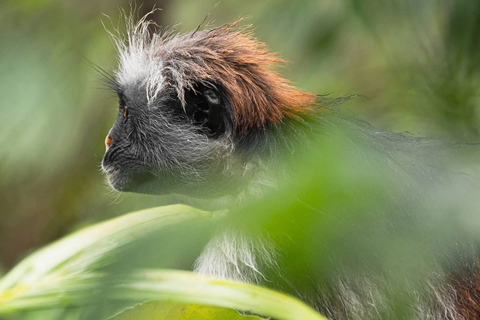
(257, 94)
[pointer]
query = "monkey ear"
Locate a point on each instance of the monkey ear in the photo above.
(208, 108)
(216, 113)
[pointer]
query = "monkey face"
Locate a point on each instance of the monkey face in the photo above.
(165, 147)
(198, 112)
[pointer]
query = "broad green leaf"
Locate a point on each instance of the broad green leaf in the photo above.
(166, 285)
(67, 274)
(80, 251)
(164, 311)
(64, 271)
(190, 288)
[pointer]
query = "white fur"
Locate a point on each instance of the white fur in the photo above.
(237, 256)
(139, 62)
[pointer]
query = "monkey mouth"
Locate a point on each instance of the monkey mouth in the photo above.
(115, 179)
(142, 182)
(112, 179)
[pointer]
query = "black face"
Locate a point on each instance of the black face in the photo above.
(165, 147)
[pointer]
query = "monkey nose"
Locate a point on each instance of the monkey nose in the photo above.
(108, 141)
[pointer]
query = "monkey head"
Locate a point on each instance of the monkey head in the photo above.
(194, 110)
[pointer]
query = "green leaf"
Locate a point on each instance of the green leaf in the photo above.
(166, 285)
(164, 311)
(69, 273)
(190, 288)
(87, 248)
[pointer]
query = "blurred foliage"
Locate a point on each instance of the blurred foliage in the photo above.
(101, 270)
(149, 310)
(413, 64)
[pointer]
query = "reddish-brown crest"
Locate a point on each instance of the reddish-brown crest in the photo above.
(243, 66)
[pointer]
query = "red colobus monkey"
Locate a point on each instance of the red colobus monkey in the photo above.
(203, 114)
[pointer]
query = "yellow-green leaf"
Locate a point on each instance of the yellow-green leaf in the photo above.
(156, 310)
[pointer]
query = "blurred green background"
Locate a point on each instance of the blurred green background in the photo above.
(413, 64)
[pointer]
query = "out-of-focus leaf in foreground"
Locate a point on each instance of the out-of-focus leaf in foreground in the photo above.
(91, 248)
(72, 273)
(157, 310)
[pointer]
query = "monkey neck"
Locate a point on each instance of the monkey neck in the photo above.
(267, 153)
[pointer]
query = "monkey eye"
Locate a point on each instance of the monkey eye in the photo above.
(125, 112)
